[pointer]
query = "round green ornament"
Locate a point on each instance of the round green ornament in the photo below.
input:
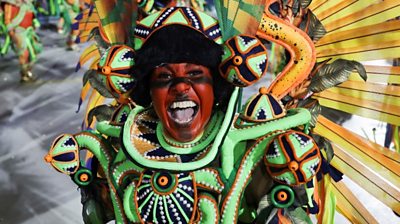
(282, 196)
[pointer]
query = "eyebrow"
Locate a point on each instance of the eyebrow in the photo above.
(165, 66)
(170, 68)
(192, 65)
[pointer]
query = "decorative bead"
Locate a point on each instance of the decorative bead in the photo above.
(238, 66)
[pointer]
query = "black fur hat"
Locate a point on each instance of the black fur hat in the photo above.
(177, 44)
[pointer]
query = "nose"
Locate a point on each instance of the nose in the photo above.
(181, 85)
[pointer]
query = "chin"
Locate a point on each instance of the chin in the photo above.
(184, 132)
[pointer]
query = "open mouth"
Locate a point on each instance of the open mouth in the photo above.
(183, 112)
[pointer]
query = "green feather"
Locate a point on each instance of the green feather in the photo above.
(314, 107)
(96, 82)
(239, 16)
(335, 73)
(101, 113)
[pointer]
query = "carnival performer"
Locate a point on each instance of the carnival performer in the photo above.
(177, 145)
(19, 17)
(190, 160)
(68, 10)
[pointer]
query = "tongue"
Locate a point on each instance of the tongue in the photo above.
(183, 114)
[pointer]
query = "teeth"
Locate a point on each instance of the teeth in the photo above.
(183, 104)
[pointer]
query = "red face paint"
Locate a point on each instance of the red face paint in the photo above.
(182, 96)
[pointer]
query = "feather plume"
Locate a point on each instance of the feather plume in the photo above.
(239, 16)
(101, 113)
(335, 73)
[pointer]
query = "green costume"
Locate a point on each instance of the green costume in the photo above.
(24, 40)
(260, 162)
(158, 179)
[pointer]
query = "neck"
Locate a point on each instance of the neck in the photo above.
(200, 142)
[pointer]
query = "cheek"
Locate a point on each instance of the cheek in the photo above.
(158, 93)
(158, 96)
(206, 95)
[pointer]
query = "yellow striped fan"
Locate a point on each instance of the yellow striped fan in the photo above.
(362, 31)
(356, 30)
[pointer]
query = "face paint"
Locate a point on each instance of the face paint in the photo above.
(182, 96)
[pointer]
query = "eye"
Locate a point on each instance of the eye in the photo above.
(164, 76)
(195, 73)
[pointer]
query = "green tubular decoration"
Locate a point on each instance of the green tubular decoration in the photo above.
(181, 210)
(135, 155)
(6, 45)
(208, 208)
(4, 34)
(118, 208)
(30, 43)
(96, 145)
(166, 209)
(129, 204)
(249, 162)
(2, 22)
(37, 45)
(121, 168)
(108, 129)
(287, 202)
(155, 208)
(294, 118)
(209, 178)
(54, 7)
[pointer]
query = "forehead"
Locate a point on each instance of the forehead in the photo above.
(180, 68)
(172, 74)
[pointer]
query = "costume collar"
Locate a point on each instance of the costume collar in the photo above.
(141, 144)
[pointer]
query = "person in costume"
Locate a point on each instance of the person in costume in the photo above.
(178, 146)
(65, 11)
(68, 10)
(19, 18)
(179, 130)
